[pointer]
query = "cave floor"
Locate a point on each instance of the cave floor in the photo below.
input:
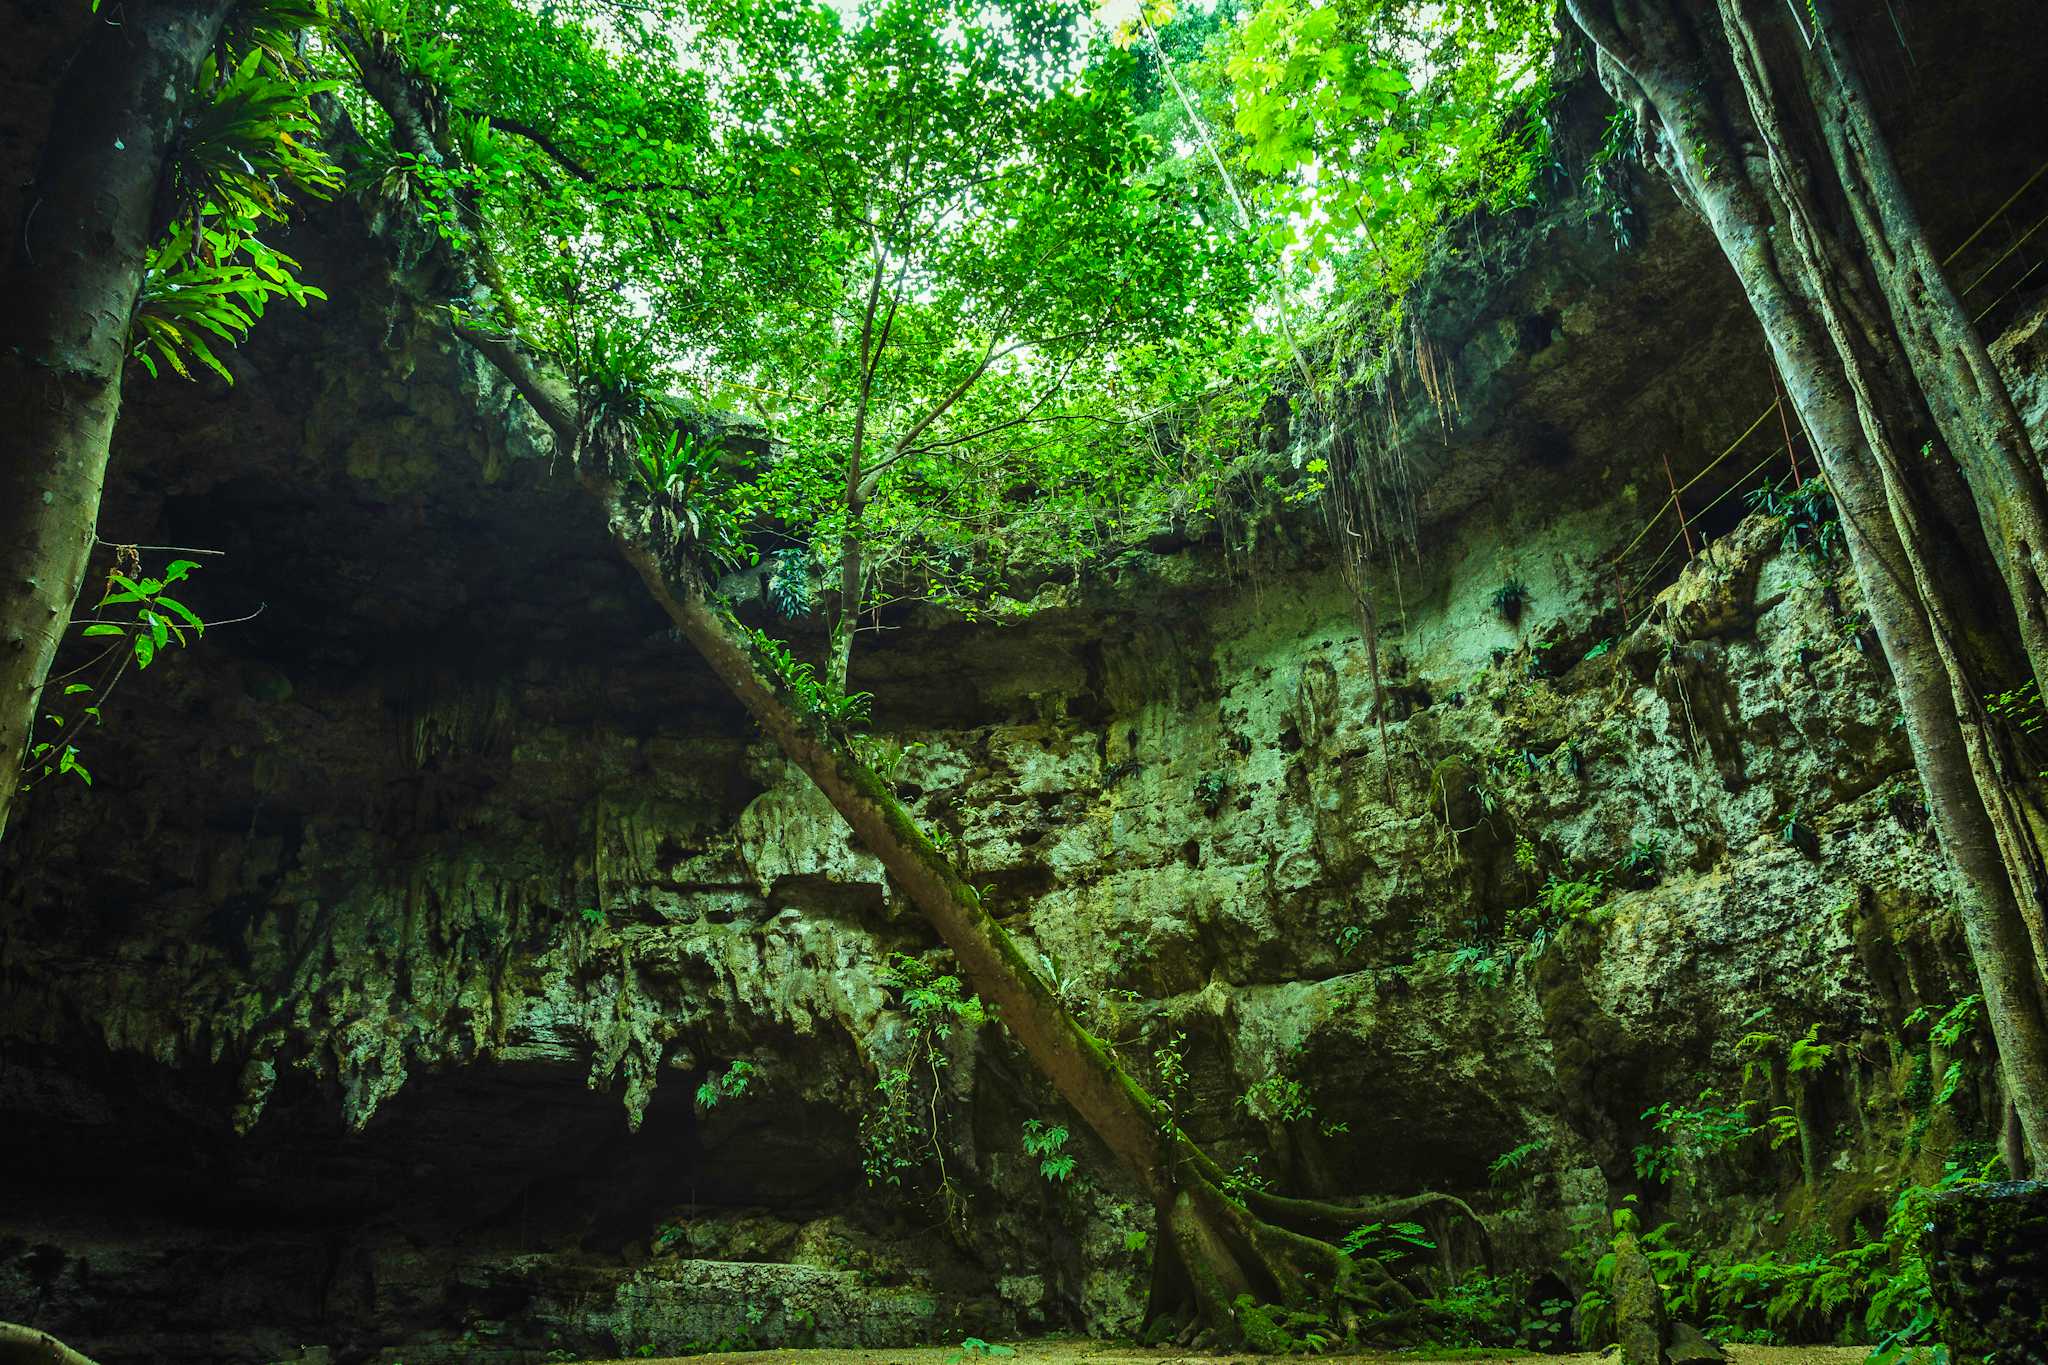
(1077, 1351)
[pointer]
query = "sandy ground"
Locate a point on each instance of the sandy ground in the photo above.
(1073, 1352)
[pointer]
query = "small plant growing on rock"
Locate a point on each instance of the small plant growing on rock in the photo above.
(1562, 902)
(1807, 512)
(1046, 1141)
(730, 1085)
(1131, 949)
(1511, 599)
(1795, 831)
(1277, 1099)
(1387, 1242)
(1809, 1053)
(1643, 862)
(1696, 1132)
(1487, 968)
(1904, 802)
(1960, 1021)
(1210, 789)
(789, 583)
(1512, 1167)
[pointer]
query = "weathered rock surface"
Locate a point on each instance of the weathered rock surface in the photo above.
(1687, 1345)
(1988, 1258)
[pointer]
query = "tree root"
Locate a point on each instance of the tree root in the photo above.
(1236, 1274)
(26, 1346)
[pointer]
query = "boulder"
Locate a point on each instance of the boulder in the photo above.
(1688, 1345)
(1988, 1259)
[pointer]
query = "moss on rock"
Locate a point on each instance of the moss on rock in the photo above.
(1988, 1258)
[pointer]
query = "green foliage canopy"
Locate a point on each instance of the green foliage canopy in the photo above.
(970, 263)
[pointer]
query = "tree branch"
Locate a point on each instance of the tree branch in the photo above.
(562, 157)
(548, 393)
(908, 444)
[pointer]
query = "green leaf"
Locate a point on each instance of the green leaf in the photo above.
(181, 609)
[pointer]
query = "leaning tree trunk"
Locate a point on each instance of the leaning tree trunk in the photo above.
(1218, 1248)
(1843, 375)
(70, 292)
(1225, 1249)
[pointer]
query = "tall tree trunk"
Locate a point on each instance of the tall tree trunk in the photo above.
(70, 291)
(1883, 365)
(839, 649)
(1721, 144)
(1967, 397)
(1218, 1247)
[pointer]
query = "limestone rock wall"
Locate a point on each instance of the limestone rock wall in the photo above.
(476, 975)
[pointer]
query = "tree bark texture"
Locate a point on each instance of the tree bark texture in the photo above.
(70, 291)
(1966, 396)
(1703, 94)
